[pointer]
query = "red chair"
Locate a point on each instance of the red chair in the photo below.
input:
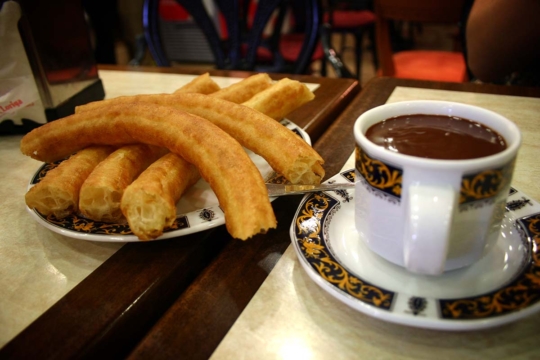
(285, 41)
(419, 64)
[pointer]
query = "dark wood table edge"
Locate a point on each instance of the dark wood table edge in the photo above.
(219, 294)
(133, 295)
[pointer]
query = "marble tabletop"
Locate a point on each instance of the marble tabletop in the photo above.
(290, 317)
(38, 266)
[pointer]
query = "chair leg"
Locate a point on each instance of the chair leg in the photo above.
(359, 35)
(323, 66)
(373, 45)
(140, 50)
(343, 43)
(330, 54)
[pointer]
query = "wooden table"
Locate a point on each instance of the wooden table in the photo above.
(115, 306)
(281, 318)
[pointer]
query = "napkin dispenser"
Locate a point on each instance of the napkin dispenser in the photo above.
(47, 65)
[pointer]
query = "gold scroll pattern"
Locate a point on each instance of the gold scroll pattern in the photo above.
(80, 224)
(83, 225)
(276, 178)
(44, 169)
(519, 294)
(486, 184)
(378, 175)
(318, 208)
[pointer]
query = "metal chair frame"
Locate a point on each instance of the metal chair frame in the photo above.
(239, 50)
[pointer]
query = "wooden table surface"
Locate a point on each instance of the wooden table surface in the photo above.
(111, 310)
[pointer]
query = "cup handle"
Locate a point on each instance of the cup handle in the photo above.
(427, 229)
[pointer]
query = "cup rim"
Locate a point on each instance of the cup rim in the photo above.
(512, 135)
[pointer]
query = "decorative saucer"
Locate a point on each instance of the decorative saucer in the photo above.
(197, 210)
(503, 286)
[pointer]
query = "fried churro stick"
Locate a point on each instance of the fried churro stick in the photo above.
(202, 84)
(281, 98)
(244, 89)
(286, 153)
(100, 194)
(149, 203)
(58, 192)
(221, 161)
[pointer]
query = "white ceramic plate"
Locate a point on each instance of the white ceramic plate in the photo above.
(502, 287)
(197, 210)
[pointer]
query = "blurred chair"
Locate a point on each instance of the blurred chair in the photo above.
(331, 56)
(253, 36)
(356, 18)
(419, 64)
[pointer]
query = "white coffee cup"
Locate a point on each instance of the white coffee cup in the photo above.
(431, 215)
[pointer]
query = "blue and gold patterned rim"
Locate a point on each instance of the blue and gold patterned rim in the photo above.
(309, 233)
(80, 224)
(385, 181)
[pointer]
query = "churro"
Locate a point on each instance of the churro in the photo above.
(149, 203)
(281, 98)
(101, 192)
(286, 153)
(202, 84)
(58, 192)
(221, 161)
(244, 89)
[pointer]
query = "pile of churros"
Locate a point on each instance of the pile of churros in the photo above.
(133, 157)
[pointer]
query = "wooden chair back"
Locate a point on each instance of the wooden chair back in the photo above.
(418, 11)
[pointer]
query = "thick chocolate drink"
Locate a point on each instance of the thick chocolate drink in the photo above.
(436, 137)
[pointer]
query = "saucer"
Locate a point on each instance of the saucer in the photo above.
(198, 209)
(503, 286)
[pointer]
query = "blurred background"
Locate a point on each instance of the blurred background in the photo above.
(117, 37)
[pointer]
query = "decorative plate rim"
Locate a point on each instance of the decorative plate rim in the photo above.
(335, 278)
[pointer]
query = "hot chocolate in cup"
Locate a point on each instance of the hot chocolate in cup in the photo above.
(432, 183)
